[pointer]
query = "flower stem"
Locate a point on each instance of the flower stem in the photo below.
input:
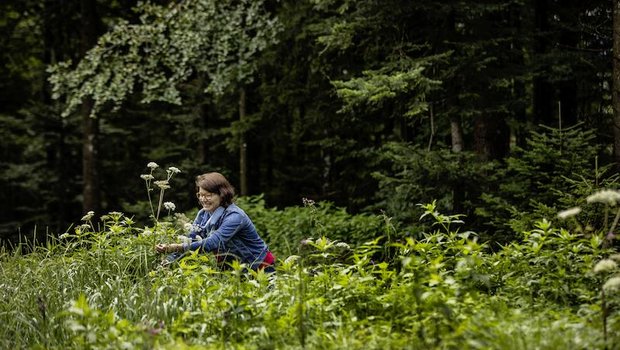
(161, 199)
(148, 192)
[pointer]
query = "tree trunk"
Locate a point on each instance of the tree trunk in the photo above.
(567, 90)
(243, 154)
(456, 131)
(542, 89)
(456, 128)
(55, 137)
(616, 81)
(90, 126)
(90, 146)
(491, 137)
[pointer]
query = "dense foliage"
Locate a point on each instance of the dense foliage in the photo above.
(335, 119)
(103, 288)
(333, 100)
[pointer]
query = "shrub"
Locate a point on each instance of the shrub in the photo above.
(285, 229)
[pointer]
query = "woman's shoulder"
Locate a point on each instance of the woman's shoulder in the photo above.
(233, 209)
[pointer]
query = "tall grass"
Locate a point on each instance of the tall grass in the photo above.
(104, 288)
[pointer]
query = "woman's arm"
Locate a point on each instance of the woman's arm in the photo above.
(193, 233)
(169, 248)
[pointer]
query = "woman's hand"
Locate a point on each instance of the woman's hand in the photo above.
(169, 248)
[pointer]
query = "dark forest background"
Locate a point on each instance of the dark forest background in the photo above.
(499, 110)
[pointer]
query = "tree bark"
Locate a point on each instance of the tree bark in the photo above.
(491, 137)
(456, 132)
(91, 191)
(243, 154)
(616, 81)
(542, 89)
(90, 146)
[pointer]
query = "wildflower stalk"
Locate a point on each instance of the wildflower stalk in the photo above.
(389, 227)
(604, 312)
(613, 226)
(163, 186)
(161, 201)
(300, 308)
(148, 192)
(606, 220)
(606, 266)
(147, 180)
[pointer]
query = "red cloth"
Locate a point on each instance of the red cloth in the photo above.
(269, 260)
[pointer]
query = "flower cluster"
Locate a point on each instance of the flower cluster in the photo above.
(163, 185)
(169, 206)
(605, 265)
(609, 197)
(88, 216)
(612, 284)
(565, 214)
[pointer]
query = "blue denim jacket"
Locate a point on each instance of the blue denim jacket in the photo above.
(228, 231)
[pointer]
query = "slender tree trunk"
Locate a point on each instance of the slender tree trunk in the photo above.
(542, 89)
(456, 131)
(567, 90)
(456, 128)
(90, 126)
(243, 150)
(616, 81)
(518, 134)
(55, 135)
(202, 112)
(90, 159)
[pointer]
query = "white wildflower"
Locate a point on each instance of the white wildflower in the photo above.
(610, 197)
(147, 177)
(342, 245)
(565, 214)
(612, 284)
(147, 231)
(88, 216)
(152, 165)
(174, 170)
(64, 235)
(184, 239)
(163, 184)
(192, 227)
(605, 265)
(615, 257)
(169, 206)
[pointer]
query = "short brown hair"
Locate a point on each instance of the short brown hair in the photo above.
(216, 183)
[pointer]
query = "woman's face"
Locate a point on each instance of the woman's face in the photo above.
(209, 201)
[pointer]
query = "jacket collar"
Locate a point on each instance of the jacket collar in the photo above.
(214, 218)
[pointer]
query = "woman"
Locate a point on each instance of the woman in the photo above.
(227, 230)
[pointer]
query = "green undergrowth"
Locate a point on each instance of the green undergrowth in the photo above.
(104, 288)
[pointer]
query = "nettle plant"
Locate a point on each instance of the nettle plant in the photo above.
(116, 227)
(102, 287)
